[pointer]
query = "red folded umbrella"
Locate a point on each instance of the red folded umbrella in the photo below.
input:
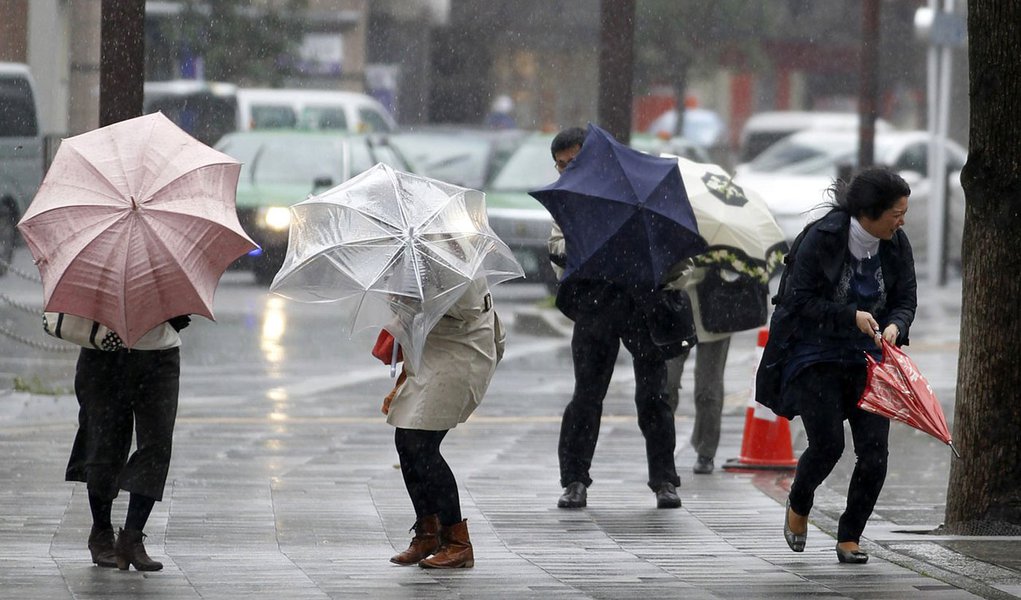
(896, 389)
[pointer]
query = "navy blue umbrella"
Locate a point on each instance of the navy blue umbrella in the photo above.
(625, 214)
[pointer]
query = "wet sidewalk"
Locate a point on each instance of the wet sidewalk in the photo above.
(298, 496)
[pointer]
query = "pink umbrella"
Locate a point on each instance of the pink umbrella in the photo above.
(135, 223)
(895, 389)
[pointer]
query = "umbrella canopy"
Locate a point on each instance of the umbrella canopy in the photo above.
(135, 223)
(398, 250)
(625, 214)
(741, 232)
(897, 390)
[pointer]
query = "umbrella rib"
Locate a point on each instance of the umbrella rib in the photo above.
(398, 193)
(115, 193)
(167, 184)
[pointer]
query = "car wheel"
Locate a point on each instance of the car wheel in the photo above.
(8, 235)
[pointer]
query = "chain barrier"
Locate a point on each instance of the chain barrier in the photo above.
(30, 309)
(34, 278)
(5, 331)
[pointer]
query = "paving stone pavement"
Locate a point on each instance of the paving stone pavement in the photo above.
(310, 504)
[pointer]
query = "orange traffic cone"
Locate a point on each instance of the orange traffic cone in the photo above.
(767, 438)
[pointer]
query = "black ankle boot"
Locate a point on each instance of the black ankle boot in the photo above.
(130, 551)
(101, 547)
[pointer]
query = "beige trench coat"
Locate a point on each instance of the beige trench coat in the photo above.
(459, 359)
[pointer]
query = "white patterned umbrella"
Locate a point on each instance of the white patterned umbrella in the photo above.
(735, 221)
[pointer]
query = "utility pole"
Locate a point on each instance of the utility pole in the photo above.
(121, 60)
(867, 99)
(616, 67)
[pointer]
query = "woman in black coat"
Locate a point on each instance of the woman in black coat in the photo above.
(851, 284)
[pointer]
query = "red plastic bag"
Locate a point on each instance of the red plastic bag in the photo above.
(384, 348)
(896, 389)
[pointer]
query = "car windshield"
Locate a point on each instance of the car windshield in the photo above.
(288, 160)
(457, 159)
(530, 167)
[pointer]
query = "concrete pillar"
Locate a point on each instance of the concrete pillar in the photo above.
(83, 78)
(13, 30)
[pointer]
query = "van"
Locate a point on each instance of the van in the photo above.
(21, 153)
(764, 129)
(263, 108)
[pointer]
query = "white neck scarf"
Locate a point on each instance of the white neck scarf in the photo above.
(861, 243)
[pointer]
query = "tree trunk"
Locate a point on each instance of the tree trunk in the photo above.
(121, 60)
(616, 67)
(984, 494)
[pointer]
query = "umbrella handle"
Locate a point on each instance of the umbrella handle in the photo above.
(393, 362)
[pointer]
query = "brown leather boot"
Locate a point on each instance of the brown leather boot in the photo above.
(101, 547)
(425, 542)
(455, 549)
(130, 551)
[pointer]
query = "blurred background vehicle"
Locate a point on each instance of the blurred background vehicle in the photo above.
(21, 153)
(281, 168)
(520, 221)
(205, 109)
(462, 155)
(764, 129)
(793, 175)
(269, 108)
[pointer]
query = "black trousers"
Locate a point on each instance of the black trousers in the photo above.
(427, 476)
(827, 394)
(117, 392)
(594, 346)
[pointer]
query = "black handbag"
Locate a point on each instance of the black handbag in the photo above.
(732, 301)
(671, 322)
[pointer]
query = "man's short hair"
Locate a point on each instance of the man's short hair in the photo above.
(566, 139)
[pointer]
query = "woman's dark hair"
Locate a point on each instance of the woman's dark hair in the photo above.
(567, 139)
(871, 192)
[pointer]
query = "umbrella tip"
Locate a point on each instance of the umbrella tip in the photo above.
(134, 205)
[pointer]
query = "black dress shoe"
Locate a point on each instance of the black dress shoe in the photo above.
(703, 465)
(856, 557)
(795, 540)
(666, 496)
(575, 496)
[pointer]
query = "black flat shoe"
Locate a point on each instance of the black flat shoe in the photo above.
(795, 540)
(575, 496)
(855, 557)
(666, 496)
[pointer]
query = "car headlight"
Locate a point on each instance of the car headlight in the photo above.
(275, 218)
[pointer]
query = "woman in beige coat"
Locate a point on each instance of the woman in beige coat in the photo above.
(460, 355)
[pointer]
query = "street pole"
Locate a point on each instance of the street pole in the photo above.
(867, 103)
(938, 168)
(616, 67)
(121, 60)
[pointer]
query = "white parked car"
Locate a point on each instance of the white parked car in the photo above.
(21, 154)
(764, 129)
(794, 174)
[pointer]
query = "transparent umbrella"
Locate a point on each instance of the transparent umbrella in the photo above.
(397, 250)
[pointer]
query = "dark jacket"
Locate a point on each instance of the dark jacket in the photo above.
(806, 305)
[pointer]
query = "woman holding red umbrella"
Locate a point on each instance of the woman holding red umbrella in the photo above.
(850, 284)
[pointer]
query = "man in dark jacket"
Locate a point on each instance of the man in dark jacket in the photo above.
(605, 315)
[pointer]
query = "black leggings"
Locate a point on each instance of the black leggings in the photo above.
(427, 475)
(826, 394)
